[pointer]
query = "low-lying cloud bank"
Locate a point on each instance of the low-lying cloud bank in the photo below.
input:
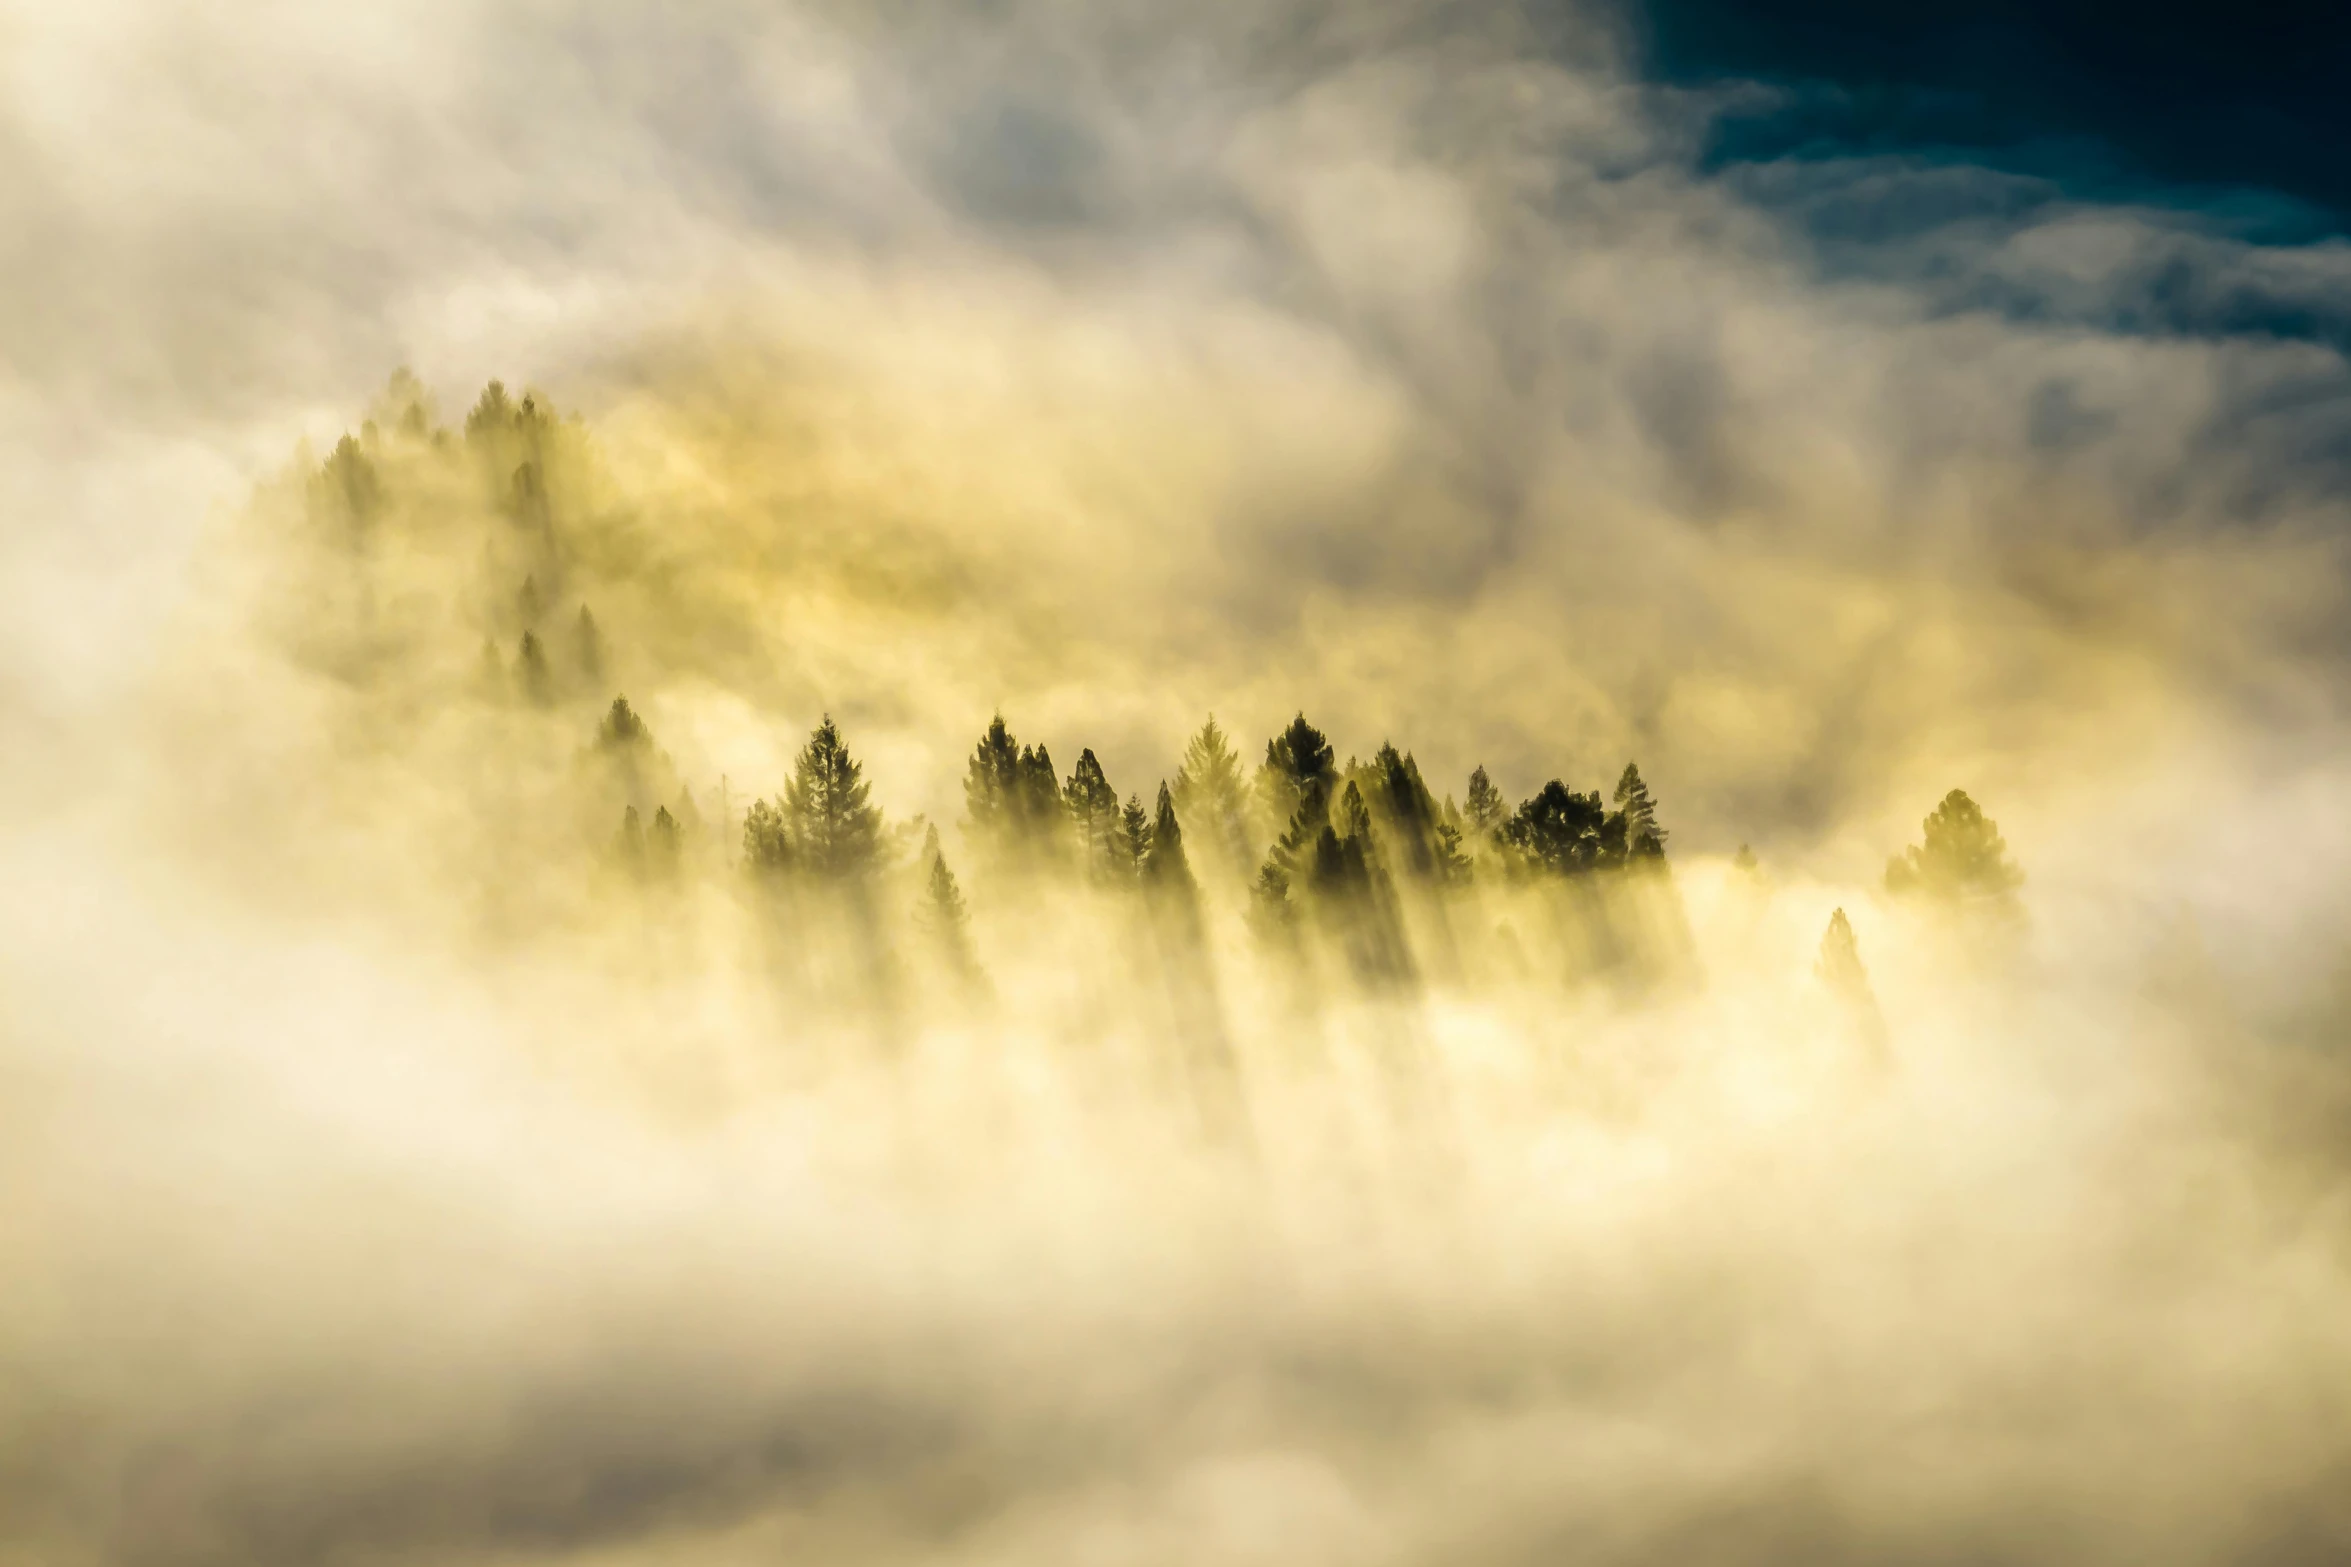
(400, 1161)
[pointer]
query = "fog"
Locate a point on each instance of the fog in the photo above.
(436, 1125)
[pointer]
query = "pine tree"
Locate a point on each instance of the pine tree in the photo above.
(1557, 831)
(991, 788)
(531, 663)
(1296, 781)
(622, 729)
(1209, 789)
(1164, 864)
(1039, 810)
(1093, 809)
(1840, 967)
(1963, 860)
(588, 646)
(941, 913)
(1643, 838)
(1483, 810)
(1134, 837)
(767, 840)
(666, 845)
(631, 843)
(835, 831)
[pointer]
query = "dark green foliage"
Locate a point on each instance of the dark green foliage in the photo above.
(1039, 802)
(1963, 860)
(1134, 835)
(1483, 810)
(1164, 864)
(1273, 918)
(1093, 809)
(991, 785)
(767, 840)
(530, 663)
(1208, 789)
(1295, 784)
(835, 831)
(1012, 799)
(1643, 838)
(1410, 815)
(588, 646)
(1557, 831)
(622, 729)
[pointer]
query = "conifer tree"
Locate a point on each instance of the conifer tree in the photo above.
(837, 834)
(665, 845)
(1557, 830)
(1963, 860)
(631, 843)
(767, 840)
(1483, 810)
(941, 913)
(1840, 967)
(538, 683)
(1040, 812)
(991, 788)
(1164, 864)
(622, 729)
(1296, 781)
(1643, 838)
(1273, 918)
(1209, 789)
(1134, 837)
(588, 646)
(1093, 810)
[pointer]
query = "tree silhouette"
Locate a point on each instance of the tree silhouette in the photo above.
(940, 913)
(837, 834)
(1643, 838)
(1963, 860)
(665, 843)
(1482, 809)
(588, 646)
(1295, 784)
(992, 789)
(1839, 967)
(1134, 835)
(530, 664)
(767, 840)
(1209, 790)
(622, 729)
(1038, 804)
(1164, 864)
(1557, 831)
(1093, 809)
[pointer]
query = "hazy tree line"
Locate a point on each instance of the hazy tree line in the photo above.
(1361, 856)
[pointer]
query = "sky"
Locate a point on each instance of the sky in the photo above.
(1824, 407)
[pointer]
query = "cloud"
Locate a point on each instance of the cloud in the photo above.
(394, 1180)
